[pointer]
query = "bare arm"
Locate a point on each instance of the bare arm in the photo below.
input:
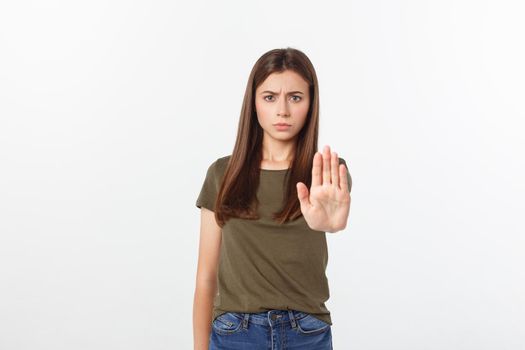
(206, 280)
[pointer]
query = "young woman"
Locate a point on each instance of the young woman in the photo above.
(265, 209)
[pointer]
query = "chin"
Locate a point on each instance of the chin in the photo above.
(285, 138)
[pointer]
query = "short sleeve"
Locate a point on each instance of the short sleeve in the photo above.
(209, 189)
(348, 177)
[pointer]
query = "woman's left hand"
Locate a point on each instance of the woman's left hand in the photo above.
(327, 205)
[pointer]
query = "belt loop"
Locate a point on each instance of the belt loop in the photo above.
(292, 318)
(245, 320)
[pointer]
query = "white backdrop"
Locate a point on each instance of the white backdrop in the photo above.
(111, 112)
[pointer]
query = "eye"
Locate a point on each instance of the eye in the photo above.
(267, 96)
(299, 98)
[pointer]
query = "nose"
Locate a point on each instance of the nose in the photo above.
(283, 108)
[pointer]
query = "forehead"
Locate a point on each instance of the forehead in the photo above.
(287, 80)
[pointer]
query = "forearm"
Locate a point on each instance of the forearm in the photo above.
(202, 314)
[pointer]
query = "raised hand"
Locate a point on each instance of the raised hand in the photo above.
(327, 205)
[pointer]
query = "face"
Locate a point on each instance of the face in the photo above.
(282, 98)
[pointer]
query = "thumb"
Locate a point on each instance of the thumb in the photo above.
(303, 194)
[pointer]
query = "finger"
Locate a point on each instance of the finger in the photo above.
(302, 194)
(316, 169)
(343, 184)
(335, 169)
(326, 165)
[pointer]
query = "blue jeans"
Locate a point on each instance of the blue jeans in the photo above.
(270, 330)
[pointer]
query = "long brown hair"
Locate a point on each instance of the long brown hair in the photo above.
(237, 194)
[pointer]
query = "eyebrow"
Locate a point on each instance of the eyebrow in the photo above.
(275, 93)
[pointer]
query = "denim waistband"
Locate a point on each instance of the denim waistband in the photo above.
(270, 317)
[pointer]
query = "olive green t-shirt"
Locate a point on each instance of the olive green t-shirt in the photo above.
(264, 265)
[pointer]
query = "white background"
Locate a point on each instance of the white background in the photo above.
(111, 112)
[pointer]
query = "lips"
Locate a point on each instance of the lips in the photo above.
(282, 124)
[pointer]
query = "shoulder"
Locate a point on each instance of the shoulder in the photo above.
(222, 162)
(218, 166)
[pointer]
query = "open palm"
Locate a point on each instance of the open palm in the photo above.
(327, 205)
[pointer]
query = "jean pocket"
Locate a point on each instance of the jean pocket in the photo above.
(227, 323)
(311, 325)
